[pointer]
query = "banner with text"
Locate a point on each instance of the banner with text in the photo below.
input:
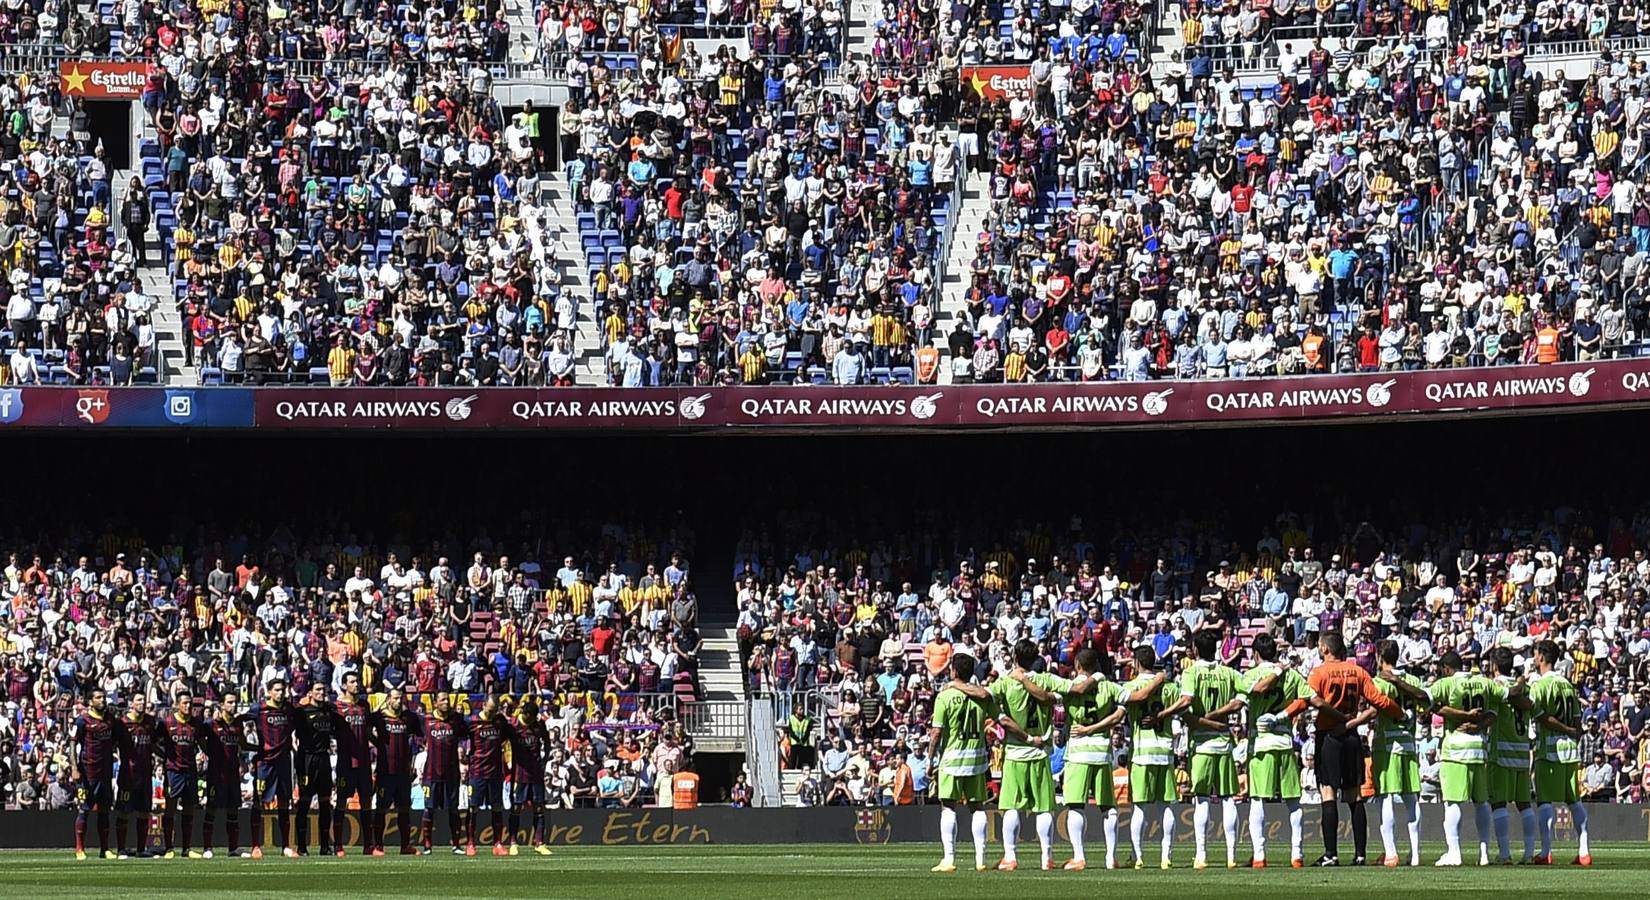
(996, 82)
(1148, 404)
(102, 80)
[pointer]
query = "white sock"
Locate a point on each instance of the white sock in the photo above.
(1389, 826)
(1200, 825)
(1168, 829)
(1110, 827)
(1011, 834)
(1412, 805)
(1503, 832)
(1045, 835)
(1578, 815)
(948, 834)
(1257, 827)
(981, 825)
(1481, 818)
(1452, 829)
(1297, 825)
(1137, 828)
(1229, 822)
(1544, 820)
(1075, 826)
(1526, 821)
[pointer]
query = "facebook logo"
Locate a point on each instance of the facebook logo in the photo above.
(11, 405)
(180, 406)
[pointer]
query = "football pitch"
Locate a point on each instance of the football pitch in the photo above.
(788, 872)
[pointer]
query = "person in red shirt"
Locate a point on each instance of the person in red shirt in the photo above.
(604, 641)
(1369, 351)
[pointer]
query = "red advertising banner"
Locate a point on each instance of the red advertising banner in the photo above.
(996, 82)
(823, 409)
(1074, 404)
(102, 80)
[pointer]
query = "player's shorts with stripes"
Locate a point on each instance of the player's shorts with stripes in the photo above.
(963, 775)
(1396, 773)
(1081, 783)
(1213, 775)
(1275, 775)
(1027, 785)
(1461, 782)
(1555, 782)
(1510, 784)
(1152, 784)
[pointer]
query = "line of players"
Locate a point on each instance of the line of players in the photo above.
(283, 737)
(1485, 754)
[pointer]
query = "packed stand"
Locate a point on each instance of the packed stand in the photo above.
(75, 310)
(855, 640)
(576, 38)
(746, 226)
(375, 220)
(1400, 207)
(606, 638)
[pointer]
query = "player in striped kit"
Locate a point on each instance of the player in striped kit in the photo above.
(961, 711)
(1091, 716)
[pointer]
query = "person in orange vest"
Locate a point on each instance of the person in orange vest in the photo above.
(1312, 350)
(1546, 344)
(684, 789)
(904, 793)
(928, 364)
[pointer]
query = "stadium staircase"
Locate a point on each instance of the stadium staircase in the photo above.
(524, 32)
(589, 367)
(959, 261)
(861, 22)
(1166, 40)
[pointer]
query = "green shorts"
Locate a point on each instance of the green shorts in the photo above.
(1555, 782)
(1509, 784)
(1027, 785)
(1396, 773)
(1275, 775)
(1464, 782)
(968, 788)
(1214, 775)
(1081, 782)
(1152, 784)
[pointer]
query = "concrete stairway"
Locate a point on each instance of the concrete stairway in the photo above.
(557, 195)
(720, 672)
(1165, 43)
(959, 261)
(157, 286)
(524, 32)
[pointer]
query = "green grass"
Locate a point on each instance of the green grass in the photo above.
(779, 872)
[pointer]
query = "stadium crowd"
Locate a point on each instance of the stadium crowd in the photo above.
(606, 638)
(74, 307)
(856, 638)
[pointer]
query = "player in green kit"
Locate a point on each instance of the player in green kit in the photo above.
(1087, 774)
(1509, 766)
(961, 711)
(1463, 700)
(1025, 702)
(1557, 712)
(1276, 696)
(1212, 692)
(1396, 760)
(1152, 703)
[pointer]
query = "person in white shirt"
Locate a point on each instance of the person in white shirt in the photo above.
(24, 369)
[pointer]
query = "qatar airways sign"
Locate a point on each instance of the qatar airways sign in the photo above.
(824, 409)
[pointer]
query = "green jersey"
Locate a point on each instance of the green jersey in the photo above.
(1398, 735)
(1269, 725)
(1153, 746)
(961, 720)
(1035, 718)
(1087, 709)
(1465, 691)
(1210, 686)
(1553, 695)
(1511, 731)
